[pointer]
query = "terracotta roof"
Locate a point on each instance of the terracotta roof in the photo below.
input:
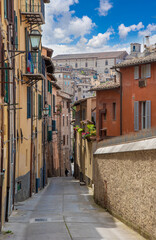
(106, 85)
(106, 55)
(81, 100)
(135, 61)
(55, 85)
(64, 95)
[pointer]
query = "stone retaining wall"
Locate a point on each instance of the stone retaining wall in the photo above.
(125, 184)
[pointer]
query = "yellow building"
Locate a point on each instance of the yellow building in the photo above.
(84, 147)
(21, 102)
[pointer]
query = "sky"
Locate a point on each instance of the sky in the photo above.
(81, 26)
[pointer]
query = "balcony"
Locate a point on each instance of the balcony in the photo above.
(33, 13)
(33, 68)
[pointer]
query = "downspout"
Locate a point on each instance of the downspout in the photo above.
(120, 100)
(31, 155)
(14, 104)
(8, 167)
(2, 138)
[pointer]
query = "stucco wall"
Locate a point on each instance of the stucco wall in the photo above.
(125, 184)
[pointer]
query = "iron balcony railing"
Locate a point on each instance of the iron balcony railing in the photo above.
(33, 63)
(35, 6)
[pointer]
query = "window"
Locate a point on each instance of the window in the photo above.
(83, 96)
(6, 96)
(136, 72)
(95, 64)
(64, 140)
(83, 114)
(106, 62)
(49, 110)
(142, 115)
(63, 120)
(133, 48)
(53, 125)
(146, 71)
(5, 8)
(76, 65)
(86, 65)
(54, 110)
(114, 111)
(106, 70)
(65, 76)
(67, 139)
(28, 102)
(76, 98)
(39, 106)
(49, 86)
(67, 120)
(59, 76)
(68, 76)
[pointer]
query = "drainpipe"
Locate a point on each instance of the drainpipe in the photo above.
(120, 100)
(14, 104)
(31, 155)
(2, 140)
(9, 142)
(37, 163)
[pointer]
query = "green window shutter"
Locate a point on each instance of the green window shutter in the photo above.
(5, 9)
(54, 103)
(16, 31)
(49, 110)
(53, 125)
(39, 106)
(6, 97)
(50, 87)
(28, 102)
(39, 62)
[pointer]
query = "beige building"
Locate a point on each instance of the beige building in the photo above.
(83, 157)
(63, 110)
(100, 62)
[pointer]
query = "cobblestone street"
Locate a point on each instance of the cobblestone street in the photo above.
(64, 211)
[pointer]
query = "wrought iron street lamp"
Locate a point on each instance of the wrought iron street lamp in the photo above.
(46, 110)
(35, 39)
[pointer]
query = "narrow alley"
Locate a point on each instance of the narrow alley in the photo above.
(64, 211)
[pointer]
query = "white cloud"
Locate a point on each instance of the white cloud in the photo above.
(123, 30)
(149, 30)
(57, 7)
(101, 39)
(61, 24)
(105, 6)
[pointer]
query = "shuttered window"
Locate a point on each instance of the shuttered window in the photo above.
(49, 110)
(16, 31)
(39, 106)
(53, 125)
(148, 114)
(28, 102)
(136, 116)
(136, 72)
(148, 70)
(5, 8)
(6, 97)
(54, 104)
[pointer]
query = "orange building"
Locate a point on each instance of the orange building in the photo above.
(107, 110)
(138, 93)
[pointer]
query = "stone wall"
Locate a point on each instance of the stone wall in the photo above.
(125, 184)
(23, 193)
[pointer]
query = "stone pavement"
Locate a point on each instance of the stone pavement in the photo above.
(64, 211)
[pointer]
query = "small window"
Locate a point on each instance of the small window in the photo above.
(106, 62)
(19, 186)
(63, 120)
(134, 49)
(86, 65)
(65, 76)
(148, 70)
(64, 140)
(136, 72)
(106, 70)
(114, 111)
(76, 65)
(68, 76)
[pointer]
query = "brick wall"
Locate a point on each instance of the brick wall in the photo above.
(125, 184)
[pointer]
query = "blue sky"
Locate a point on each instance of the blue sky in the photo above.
(74, 26)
